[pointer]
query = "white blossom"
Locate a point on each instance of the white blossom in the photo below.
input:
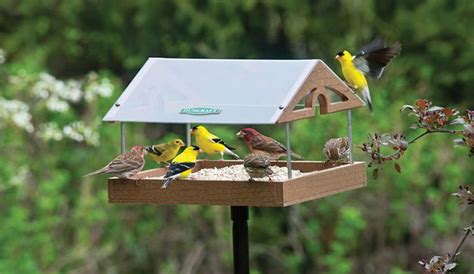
(98, 88)
(20, 178)
(3, 57)
(50, 131)
(55, 104)
(71, 131)
(55, 95)
(16, 112)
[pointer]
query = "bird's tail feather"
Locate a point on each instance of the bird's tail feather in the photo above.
(167, 182)
(366, 97)
(99, 171)
(297, 156)
(232, 153)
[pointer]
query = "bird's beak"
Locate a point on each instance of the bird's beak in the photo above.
(240, 134)
(201, 151)
(191, 132)
(337, 57)
(182, 144)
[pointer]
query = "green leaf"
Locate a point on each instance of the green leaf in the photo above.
(375, 173)
(398, 168)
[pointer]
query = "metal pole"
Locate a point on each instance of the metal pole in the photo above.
(288, 151)
(188, 134)
(122, 137)
(240, 238)
(349, 134)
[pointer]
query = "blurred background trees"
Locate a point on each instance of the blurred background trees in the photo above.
(64, 63)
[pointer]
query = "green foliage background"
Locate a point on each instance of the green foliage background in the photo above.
(52, 220)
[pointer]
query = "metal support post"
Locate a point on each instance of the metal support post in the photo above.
(188, 134)
(349, 134)
(122, 137)
(288, 150)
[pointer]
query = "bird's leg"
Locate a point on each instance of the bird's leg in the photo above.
(222, 156)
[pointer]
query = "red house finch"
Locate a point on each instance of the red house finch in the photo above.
(257, 166)
(125, 165)
(261, 144)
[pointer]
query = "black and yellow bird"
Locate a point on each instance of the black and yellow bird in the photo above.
(369, 60)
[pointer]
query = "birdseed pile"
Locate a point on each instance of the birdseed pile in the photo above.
(238, 173)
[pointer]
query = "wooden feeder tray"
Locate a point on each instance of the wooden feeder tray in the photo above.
(320, 180)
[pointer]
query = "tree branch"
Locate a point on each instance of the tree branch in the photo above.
(469, 231)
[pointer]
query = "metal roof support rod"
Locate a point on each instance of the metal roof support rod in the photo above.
(188, 134)
(122, 137)
(288, 152)
(349, 134)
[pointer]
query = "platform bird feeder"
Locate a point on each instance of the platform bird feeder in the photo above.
(236, 92)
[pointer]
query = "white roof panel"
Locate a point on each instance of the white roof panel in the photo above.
(239, 91)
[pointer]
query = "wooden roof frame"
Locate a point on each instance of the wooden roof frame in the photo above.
(318, 86)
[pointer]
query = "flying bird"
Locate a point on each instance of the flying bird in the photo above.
(257, 166)
(369, 60)
(261, 144)
(211, 144)
(162, 153)
(182, 165)
(337, 150)
(125, 165)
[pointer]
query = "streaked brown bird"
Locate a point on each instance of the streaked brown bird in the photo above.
(337, 150)
(125, 165)
(258, 166)
(258, 144)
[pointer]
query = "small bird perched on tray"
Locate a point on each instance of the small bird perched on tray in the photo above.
(258, 166)
(162, 153)
(370, 59)
(182, 165)
(125, 165)
(210, 143)
(261, 144)
(337, 150)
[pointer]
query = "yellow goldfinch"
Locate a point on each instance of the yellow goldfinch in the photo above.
(210, 143)
(182, 165)
(371, 60)
(163, 153)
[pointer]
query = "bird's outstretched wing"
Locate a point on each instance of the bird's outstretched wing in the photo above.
(372, 58)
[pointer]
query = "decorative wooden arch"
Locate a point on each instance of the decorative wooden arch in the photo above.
(319, 85)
